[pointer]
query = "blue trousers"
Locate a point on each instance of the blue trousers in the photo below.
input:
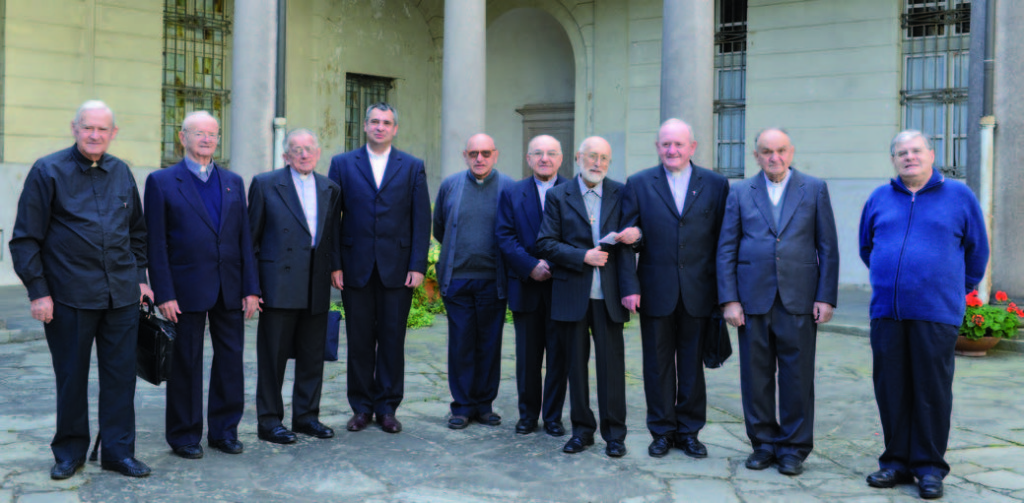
(913, 375)
(475, 319)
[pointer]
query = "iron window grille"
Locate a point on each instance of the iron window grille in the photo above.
(936, 58)
(730, 87)
(196, 74)
(361, 91)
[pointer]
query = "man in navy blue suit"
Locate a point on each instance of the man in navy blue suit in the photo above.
(520, 211)
(385, 235)
(778, 276)
(679, 208)
(201, 267)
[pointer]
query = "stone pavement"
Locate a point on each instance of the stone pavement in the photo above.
(427, 462)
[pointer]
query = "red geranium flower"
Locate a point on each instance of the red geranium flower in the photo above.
(978, 319)
(973, 301)
(1020, 312)
(1001, 297)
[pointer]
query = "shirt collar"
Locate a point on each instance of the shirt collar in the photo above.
(769, 183)
(378, 157)
(598, 189)
(486, 179)
(685, 172)
(299, 177)
(85, 163)
(194, 166)
(545, 185)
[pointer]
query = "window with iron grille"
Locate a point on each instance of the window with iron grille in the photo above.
(196, 58)
(730, 86)
(361, 91)
(936, 56)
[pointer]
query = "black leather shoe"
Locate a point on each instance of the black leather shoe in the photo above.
(65, 469)
(129, 467)
(489, 419)
(227, 445)
(659, 446)
(458, 422)
(577, 444)
(760, 459)
(691, 446)
(389, 423)
(615, 449)
(359, 421)
(930, 487)
(889, 477)
(313, 428)
(278, 435)
(526, 426)
(554, 428)
(791, 465)
(193, 451)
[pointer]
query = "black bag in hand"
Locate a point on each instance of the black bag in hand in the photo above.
(717, 347)
(155, 345)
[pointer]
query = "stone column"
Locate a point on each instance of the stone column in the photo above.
(1008, 195)
(253, 86)
(464, 84)
(687, 70)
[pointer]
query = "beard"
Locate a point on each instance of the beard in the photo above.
(588, 176)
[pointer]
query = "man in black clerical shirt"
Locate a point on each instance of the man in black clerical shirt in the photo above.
(79, 246)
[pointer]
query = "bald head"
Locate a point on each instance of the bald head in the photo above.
(480, 155)
(544, 156)
(675, 145)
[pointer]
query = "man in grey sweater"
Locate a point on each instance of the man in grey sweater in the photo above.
(472, 280)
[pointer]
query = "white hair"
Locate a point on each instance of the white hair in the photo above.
(94, 105)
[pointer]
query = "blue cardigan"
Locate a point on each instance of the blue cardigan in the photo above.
(924, 250)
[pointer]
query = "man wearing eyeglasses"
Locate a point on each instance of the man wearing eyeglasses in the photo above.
(201, 267)
(578, 215)
(293, 216)
(385, 236)
(471, 276)
(529, 292)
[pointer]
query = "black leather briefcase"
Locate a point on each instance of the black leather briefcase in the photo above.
(155, 345)
(717, 347)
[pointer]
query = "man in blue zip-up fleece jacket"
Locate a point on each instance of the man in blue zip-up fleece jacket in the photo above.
(924, 240)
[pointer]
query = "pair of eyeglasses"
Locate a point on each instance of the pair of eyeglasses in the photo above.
(200, 135)
(297, 151)
(550, 153)
(602, 158)
(473, 154)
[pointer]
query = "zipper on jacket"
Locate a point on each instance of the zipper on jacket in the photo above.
(899, 263)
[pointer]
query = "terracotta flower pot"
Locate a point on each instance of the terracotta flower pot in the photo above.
(432, 290)
(967, 347)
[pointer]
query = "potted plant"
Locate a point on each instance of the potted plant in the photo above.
(984, 324)
(433, 293)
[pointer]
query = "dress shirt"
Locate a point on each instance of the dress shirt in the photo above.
(592, 198)
(79, 235)
(678, 183)
(775, 190)
(378, 163)
(202, 172)
(542, 188)
(305, 187)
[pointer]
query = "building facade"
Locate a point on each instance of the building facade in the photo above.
(841, 77)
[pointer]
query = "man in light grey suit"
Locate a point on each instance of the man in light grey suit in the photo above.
(778, 274)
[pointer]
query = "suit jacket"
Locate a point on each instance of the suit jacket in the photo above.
(677, 253)
(564, 240)
(388, 227)
(798, 259)
(518, 223)
(295, 273)
(189, 260)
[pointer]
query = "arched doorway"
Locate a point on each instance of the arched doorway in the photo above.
(531, 86)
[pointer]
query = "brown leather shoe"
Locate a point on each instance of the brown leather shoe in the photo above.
(389, 423)
(359, 421)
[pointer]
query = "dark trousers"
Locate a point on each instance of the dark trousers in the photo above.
(227, 381)
(913, 375)
(536, 334)
(674, 373)
(375, 320)
(475, 319)
(610, 363)
(786, 342)
(282, 333)
(70, 336)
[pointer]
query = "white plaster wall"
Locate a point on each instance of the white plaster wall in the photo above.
(529, 61)
(848, 198)
(327, 39)
(645, 25)
(829, 72)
